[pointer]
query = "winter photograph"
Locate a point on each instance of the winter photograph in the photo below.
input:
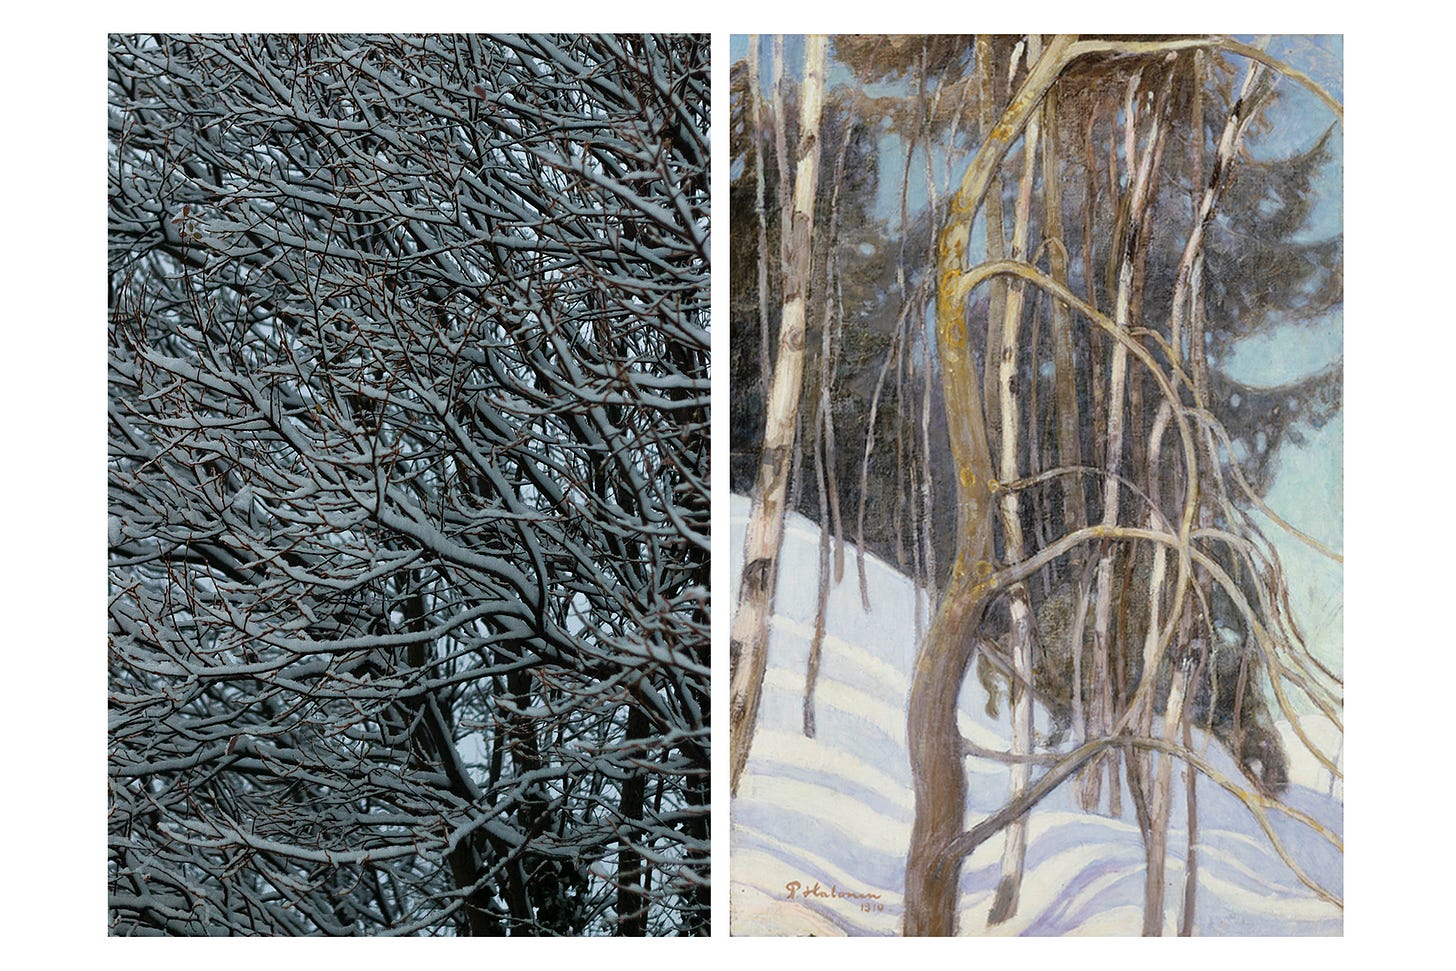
(408, 485)
(1037, 443)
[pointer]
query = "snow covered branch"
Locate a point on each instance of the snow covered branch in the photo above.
(408, 484)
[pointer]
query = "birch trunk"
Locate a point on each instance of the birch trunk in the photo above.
(1161, 803)
(781, 152)
(1190, 263)
(825, 449)
(1190, 867)
(1013, 857)
(749, 647)
(755, 95)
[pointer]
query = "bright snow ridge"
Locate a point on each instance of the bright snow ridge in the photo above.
(836, 811)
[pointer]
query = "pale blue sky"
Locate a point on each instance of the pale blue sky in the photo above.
(1308, 487)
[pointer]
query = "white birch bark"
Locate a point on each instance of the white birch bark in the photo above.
(1013, 857)
(749, 646)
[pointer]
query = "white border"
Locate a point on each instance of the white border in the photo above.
(1399, 357)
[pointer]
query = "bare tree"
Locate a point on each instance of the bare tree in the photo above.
(749, 650)
(1103, 554)
(408, 485)
(1177, 558)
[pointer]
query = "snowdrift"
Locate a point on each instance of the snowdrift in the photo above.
(820, 827)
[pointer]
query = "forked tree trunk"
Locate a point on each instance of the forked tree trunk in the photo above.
(931, 872)
(749, 647)
(935, 748)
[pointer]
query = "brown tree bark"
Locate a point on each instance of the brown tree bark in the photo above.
(995, 213)
(1068, 417)
(631, 892)
(931, 874)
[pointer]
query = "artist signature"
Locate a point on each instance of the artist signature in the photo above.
(866, 900)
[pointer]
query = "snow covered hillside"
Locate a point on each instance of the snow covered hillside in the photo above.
(819, 825)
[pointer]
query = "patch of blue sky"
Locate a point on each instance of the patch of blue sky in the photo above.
(1288, 351)
(1308, 488)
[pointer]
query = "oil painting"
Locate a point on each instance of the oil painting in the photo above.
(1036, 451)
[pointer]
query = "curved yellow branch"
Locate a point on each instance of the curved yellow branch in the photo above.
(1085, 47)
